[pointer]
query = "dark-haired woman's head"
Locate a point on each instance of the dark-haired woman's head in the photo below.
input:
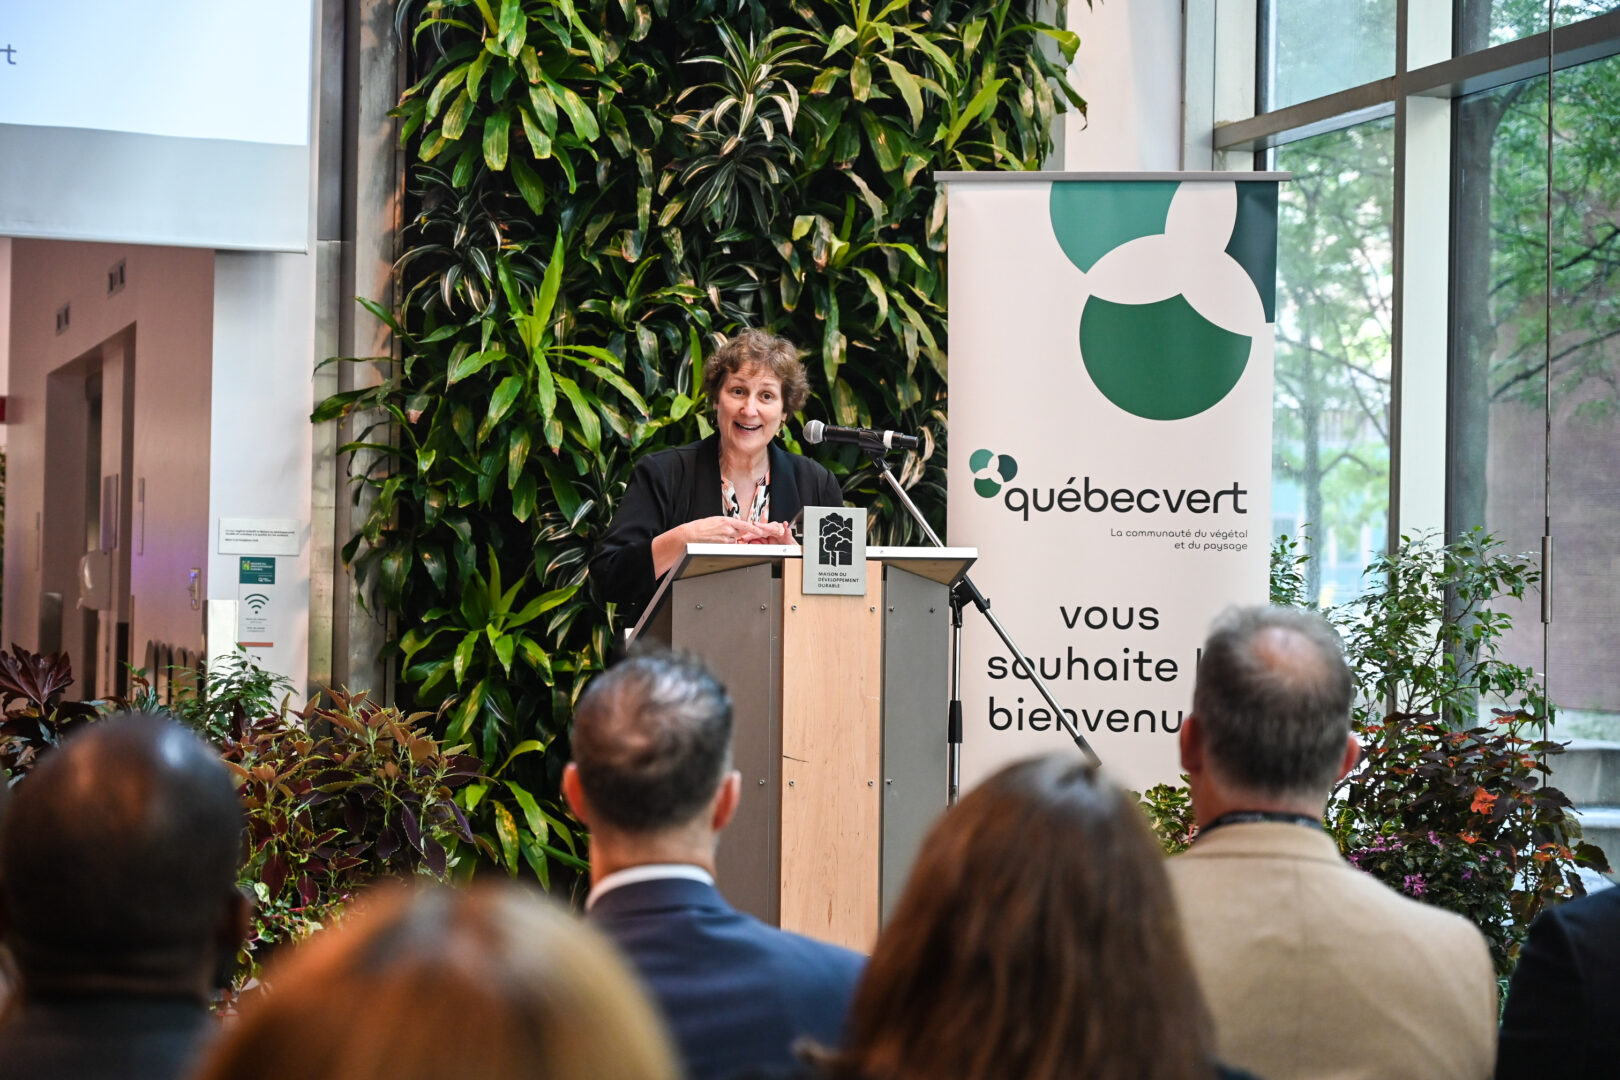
(1037, 938)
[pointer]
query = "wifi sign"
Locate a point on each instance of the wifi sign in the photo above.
(256, 581)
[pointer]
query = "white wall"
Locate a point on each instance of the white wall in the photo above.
(263, 358)
(165, 312)
(1129, 70)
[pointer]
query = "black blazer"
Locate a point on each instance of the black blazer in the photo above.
(1559, 1018)
(672, 487)
(105, 1037)
(736, 993)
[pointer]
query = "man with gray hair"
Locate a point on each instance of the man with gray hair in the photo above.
(1312, 969)
(652, 781)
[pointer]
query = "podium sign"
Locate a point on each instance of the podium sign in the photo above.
(834, 550)
(841, 706)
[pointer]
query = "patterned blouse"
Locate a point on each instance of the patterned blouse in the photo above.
(759, 510)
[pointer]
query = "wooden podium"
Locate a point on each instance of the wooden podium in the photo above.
(841, 706)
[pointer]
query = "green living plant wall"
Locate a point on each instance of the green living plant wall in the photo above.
(600, 190)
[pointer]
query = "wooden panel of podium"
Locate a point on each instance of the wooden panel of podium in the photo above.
(841, 705)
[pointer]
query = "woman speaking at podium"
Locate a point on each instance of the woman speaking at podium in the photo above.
(738, 486)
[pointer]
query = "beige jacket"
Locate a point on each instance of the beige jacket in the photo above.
(1313, 969)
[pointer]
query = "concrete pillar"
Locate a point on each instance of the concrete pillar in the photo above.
(1129, 70)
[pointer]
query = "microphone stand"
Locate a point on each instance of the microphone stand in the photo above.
(963, 593)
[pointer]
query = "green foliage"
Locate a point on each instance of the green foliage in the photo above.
(372, 797)
(1427, 639)
(1464, 819)
(1169, 813)
(1447, 806)
(1289, 585)
(38, 684)
(600, 191)
(236, 691)
(335, 797)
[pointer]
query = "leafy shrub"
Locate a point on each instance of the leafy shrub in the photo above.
(372, 797)
(38, 682)
(1451, 803)
(1170, 814)
(598, 190)
(220, 703)
(1464, 819)
(335, 796)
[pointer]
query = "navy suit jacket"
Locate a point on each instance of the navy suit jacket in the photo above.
(1559, 1019)
(736, 993)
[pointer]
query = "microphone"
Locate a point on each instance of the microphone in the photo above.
(878, 441)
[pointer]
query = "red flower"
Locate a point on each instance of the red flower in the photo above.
(1483, 801)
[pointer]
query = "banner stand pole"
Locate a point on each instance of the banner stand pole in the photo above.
(963, 592)
(953, 733)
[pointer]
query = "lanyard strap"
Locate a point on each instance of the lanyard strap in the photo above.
(1251, 817)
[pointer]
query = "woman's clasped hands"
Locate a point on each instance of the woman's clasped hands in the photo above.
(729, 530)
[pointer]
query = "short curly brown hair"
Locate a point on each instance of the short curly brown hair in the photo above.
(752, 348)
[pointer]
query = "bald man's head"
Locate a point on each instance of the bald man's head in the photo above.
(119, 856)
(1273, 699)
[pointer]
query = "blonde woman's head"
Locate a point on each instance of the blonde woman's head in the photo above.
(435, 983)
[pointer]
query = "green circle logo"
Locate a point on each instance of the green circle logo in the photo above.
(990, 471)
(1174, 304)
(1159, 361)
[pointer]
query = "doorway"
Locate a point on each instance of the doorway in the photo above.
(85, 565)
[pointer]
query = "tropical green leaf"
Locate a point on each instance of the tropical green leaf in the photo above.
(495, 129)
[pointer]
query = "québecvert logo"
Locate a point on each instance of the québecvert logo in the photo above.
(1180, 281)
(990, 471)
(993, 474)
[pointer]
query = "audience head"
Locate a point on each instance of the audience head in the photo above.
(532, 993)
(652, 749)
(1271, 712)
(118, 863)
(1037, 938)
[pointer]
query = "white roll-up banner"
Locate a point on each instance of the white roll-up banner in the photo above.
(1111, 343)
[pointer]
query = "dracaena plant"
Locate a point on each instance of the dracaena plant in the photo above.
(599, 189)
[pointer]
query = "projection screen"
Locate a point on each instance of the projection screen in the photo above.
(186, 123)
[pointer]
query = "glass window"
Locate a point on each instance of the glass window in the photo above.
(1497, 426)
(1485, 23)
(1330, 463)
(1504, 444)
(1584, 380)
(1316, 47)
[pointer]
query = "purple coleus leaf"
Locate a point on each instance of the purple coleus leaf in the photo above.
(275, 874)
